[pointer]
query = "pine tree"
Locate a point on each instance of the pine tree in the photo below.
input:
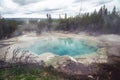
(65, 15)
(114, 11)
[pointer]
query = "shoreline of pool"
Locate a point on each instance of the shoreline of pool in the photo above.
(29, 39)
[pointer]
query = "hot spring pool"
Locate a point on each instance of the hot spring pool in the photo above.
(60, 46)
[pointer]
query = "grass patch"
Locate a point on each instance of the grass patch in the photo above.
(27, 73)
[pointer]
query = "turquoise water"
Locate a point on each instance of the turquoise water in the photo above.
(68, 46)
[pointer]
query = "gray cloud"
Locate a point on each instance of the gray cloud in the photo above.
(8, 12)
(38, 8)
(25, 2)
(103, 2)
(28, 13)
(50, 10)
(78, 1)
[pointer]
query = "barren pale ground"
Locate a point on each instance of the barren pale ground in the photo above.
(109, 45)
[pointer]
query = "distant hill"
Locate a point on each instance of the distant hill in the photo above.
(24, 19)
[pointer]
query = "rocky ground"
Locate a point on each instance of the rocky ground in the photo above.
(79, 65)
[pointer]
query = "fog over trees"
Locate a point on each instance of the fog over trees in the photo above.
(7, 27)
(101, 21)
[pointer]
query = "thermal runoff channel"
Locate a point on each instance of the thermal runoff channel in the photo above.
(62, 46)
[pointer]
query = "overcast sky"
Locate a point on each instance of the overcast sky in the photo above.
(39, 8)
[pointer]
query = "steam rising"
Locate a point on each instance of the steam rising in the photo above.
(36, 26)
(21, 29)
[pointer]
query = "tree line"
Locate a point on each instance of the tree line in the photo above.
(7, 27)
(102, 21)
